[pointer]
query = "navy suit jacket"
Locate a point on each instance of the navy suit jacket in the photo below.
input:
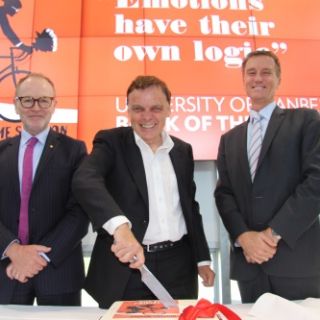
(285, 193)
(55, 219)
(114, 177)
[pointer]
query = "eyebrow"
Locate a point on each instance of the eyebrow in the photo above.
(255, 69)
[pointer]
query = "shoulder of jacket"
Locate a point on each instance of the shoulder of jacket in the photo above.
(8, 141)
(178, 140)
(66, 139)
(114, 131)
(235, 130)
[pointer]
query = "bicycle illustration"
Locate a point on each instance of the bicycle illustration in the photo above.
(45, 41)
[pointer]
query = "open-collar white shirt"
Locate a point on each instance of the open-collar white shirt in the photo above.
(166, 220)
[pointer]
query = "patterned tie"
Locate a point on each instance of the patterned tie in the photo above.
(26, 185)
(256, 142)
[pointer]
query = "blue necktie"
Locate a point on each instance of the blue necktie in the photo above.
(256, 142)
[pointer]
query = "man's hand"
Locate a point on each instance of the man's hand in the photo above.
(126, 247)
(207, 275)
(271, 235)
(258, 247)
(25, 261)
(13, 274)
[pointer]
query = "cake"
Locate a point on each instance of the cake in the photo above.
(144, 309)
(154, 309)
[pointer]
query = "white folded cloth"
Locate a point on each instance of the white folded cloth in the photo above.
(270, 306)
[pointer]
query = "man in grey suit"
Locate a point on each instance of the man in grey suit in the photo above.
(138, 190)
(268, 193)
(41, 257)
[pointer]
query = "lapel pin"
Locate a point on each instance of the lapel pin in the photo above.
(51, 146)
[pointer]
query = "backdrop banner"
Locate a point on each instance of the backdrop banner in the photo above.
(93, 49)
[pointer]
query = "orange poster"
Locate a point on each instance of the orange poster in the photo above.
(93, 49)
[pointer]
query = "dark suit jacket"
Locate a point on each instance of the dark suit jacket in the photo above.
(284, 195)
(55, 219)
(111, 182)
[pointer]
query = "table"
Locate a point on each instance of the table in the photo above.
(15, 312)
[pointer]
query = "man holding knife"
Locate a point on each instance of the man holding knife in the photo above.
(137, 188)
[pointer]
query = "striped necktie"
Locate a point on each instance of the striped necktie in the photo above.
(256, 142)
(26, 184)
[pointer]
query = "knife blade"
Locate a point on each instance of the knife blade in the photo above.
(157, 288)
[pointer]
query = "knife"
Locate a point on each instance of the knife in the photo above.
(157, 288)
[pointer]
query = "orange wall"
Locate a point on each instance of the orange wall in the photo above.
(98, 56)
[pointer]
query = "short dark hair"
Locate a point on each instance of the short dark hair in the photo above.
(35, 75)
(259, 53)
(144, 82)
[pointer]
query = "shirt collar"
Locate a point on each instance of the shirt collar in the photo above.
(42, 136)
(167, 142)
(266, 112)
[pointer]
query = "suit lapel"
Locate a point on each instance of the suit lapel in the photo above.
(243, 160)
(49, 149)
(134, 162)
(273, 126)
(13, 167)
(177, 159)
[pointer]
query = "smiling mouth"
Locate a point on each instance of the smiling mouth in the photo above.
(258, 86)
(148, 126)
(258, 89)
(35, 117)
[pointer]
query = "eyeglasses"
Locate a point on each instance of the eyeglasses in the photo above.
(29, 102)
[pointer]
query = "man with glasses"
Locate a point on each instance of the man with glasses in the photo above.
(41, 225)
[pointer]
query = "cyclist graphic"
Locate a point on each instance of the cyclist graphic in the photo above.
(11, 7)
(44, 41)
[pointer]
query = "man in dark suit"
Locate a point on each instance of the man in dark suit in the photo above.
(271, 208)
(138, 190)
(44, 262)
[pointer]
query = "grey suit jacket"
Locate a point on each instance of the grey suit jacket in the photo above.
(284, 195)
(113, 175)
(55, 219)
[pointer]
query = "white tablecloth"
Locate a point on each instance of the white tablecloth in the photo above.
(270, 305)
(14, 312)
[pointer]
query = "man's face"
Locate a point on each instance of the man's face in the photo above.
(35, 119)
(260, 81)
(148, 109)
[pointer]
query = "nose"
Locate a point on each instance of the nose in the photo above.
(146, 115)
(36, 105)
(258, 77)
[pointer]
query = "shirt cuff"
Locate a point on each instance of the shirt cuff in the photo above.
(111, 225)
(204, 263)
(44, 256)
(4, 256)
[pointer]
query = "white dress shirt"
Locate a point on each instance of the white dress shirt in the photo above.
(166, 220)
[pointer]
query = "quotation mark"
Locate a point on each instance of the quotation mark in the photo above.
(280, 47)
